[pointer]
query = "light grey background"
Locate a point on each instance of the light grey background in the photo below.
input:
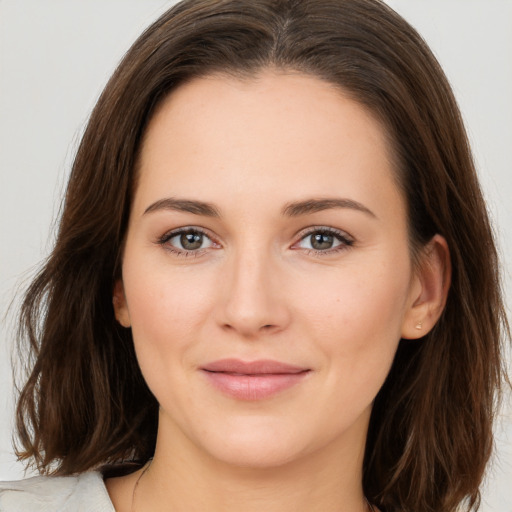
(55, 57)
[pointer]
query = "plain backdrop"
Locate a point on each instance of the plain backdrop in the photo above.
(56, 56)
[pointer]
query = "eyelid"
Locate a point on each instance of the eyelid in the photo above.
(345, 238)
(168, 235)
(325, 229)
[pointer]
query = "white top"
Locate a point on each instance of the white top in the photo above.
(85, 492)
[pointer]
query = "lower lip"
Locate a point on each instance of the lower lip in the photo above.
(254, 387)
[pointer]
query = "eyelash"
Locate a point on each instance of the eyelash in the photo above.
(345, 241)
(164, 239)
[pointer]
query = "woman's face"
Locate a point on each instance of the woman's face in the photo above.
(266, 276)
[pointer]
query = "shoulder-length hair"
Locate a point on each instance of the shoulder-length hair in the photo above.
(85, 402)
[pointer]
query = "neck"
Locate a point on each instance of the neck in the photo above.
(182, 477)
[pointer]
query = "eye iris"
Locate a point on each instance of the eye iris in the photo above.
(322, 241)
(191, 241)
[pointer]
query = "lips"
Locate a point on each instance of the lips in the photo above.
(253, 380)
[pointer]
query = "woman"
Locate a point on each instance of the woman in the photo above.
(274, 284)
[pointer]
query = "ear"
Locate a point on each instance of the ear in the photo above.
(120, 306)
(429, 289)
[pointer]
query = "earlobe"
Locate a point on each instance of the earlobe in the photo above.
(120, 306)
(430, 290)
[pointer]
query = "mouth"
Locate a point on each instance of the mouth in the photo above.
(253, 380)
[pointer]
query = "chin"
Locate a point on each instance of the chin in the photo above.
(253, 444)
(256, 455)
(260, 445)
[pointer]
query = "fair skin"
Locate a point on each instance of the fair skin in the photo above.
(301, 256)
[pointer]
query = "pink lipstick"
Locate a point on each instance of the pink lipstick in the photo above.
(254, 380)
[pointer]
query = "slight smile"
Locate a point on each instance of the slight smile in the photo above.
(254, 380)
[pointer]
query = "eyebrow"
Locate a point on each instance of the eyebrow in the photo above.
(294, 209)
(184, 205)
(298, 208)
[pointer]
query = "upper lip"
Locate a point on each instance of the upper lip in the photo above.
(259, 367)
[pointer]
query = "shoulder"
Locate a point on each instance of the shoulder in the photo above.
(81, 493)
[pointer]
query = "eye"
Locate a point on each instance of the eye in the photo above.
(325, 240)
(187, 240)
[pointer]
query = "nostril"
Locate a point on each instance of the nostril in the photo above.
(266, 327)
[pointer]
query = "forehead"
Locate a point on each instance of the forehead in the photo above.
(258, 101)
(249, 136)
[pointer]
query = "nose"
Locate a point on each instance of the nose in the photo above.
(253, 300)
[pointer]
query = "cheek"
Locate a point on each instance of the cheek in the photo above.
(167, 306)
(362, 298)
(356, 319)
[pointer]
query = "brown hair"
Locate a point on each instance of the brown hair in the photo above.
(85, 402)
